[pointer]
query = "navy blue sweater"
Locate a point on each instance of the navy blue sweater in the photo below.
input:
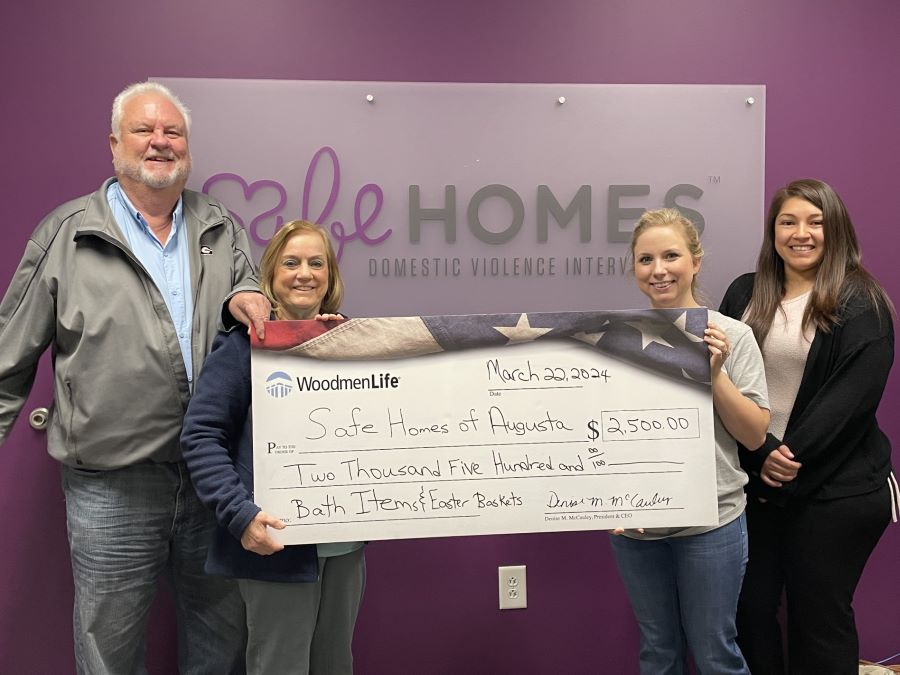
(217, 442)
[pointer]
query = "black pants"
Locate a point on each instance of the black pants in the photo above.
(815, 552)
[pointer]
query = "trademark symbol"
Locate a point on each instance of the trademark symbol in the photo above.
(713, 180)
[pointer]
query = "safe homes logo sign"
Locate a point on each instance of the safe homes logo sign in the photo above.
(362, 225)
(463, 198)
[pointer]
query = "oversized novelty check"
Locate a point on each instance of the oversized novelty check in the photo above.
(410, 427)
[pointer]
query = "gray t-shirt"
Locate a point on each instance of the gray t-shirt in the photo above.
(746, 370)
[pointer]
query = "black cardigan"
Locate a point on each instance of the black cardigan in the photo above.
(832, 429)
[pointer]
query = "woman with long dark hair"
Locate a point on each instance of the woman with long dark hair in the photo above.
(821, 490)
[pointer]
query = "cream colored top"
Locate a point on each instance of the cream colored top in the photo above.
(784, 352)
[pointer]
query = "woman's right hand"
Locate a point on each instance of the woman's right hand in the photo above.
(256, 536)
(621, 530)
(719, 347)
(779, 467)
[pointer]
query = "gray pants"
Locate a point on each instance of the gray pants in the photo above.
(305, 629)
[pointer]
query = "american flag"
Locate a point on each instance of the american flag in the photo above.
(666, 341)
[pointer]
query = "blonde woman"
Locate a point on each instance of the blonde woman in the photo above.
(302, 601)
(683, 583)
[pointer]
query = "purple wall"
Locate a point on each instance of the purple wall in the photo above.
(431, 605)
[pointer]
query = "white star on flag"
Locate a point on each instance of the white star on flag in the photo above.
(681, 323)
(649, 331)
(591, 338)
(522, 331)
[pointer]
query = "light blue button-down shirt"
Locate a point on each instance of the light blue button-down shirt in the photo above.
(168, 266)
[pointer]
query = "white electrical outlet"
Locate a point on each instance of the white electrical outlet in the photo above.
(513, 590)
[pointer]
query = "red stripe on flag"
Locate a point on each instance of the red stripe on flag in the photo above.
(286, 334)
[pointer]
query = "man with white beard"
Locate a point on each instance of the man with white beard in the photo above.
(127, 286)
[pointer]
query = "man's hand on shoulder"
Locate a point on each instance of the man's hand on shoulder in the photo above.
(251, 309)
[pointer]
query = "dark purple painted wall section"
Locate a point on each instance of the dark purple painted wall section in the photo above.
(833, 109)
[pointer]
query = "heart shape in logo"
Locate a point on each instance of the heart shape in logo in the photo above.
(230, 196)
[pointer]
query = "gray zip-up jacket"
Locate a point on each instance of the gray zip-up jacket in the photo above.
(120, 384)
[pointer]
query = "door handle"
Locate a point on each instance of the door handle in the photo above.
(39, 418)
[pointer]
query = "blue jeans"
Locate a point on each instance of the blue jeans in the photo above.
(685, 590)
(127, 528)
